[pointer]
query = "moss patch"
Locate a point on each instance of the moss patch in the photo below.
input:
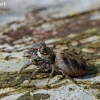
(39, 96)
(98, 96)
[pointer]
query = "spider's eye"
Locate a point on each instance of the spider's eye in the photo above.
(30, 52)
(36, 60)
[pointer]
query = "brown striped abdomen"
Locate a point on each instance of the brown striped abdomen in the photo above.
(70, 63)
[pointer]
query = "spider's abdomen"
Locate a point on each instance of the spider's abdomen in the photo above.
(70, 63)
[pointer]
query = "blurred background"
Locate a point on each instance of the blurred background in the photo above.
(46, 19)
(61, 24)
(16, 9)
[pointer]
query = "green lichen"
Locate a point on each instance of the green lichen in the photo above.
(86, 87)
(98, 96)
(25, 97)
(39, 96)
(11, 79)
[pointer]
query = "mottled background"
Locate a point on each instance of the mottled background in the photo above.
(61, 24)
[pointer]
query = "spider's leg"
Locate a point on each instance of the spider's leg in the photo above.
(25, 66)
(38, 44)
(68, 77)
(37, 70)
(51, 74)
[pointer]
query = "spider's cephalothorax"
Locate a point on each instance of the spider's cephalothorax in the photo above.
(42, 56)
(69, 63)
(46, 53)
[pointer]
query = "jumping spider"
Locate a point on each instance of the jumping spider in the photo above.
(69, 63)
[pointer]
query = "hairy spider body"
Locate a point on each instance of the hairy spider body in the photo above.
(69, 63)
(40, 55)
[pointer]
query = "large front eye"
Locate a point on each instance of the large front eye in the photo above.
(30, 52)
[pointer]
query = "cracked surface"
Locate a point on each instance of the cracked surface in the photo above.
(81, 31)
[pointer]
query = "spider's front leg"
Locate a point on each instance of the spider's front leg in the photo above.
(26, 65)
(51, 74)
(37, 70)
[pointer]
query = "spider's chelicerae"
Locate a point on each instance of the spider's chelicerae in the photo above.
(69, 63)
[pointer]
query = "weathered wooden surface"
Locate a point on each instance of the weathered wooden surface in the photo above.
(82, 32)
(44, 10)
